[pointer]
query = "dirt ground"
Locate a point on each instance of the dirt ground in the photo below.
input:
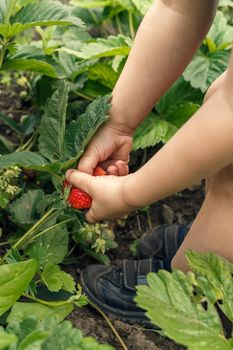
(181, 208)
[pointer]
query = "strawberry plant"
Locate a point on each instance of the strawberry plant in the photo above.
(16, 16)
(101, 61)
(65, 65)
(25, 331)
(195, 310)
(43, 220)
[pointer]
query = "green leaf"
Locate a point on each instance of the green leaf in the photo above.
(6, 339)
(60, 339)
(50, 13)
(226, 3)
(214, 275)
(9, 30)
(112, 46)
(52, 129)
(50, 247)
(28, 160)
(205, 68)
(180, 93)
(8, 146)
(68, 63)
(27, 209)
(46, 13)
(179, 103)
(33, 58)
(143, 5)
(24, 159)
(221, 33)
(14, 279)
(212, 59)
(152, 131)
(31, 65)
(7, 9)
(181, 113)
(94, 89)
(55, 279)
(21, 311)
(80, 132)
(126, 5)
(48, 335)
(90, 4)
(169, 303)
(103, 74)
(10, 122)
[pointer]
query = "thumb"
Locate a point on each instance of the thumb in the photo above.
(80, 180)
(89, 160)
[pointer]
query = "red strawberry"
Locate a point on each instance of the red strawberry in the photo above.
(98, 171)
(79, 199)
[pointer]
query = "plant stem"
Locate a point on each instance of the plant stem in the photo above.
(88, 98)
(149, 218)
(93, 15)
(109, 323)
(131, 26)
(49, 229)
(28, 145)
(139, 223)
(2, 54)
(25, 237)
(47, 303)
(7, 243)
(119, 26)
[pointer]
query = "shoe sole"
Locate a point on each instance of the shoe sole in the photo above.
(125, 316)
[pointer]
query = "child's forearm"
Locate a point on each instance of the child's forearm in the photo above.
(200, 148)
(167, 39)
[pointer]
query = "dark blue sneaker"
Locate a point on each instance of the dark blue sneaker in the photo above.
(113, 288)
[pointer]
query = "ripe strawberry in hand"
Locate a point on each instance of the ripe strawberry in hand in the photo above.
(98, 171)
(79, 199)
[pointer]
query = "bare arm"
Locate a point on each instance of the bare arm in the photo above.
(167, 39)
(200, 148)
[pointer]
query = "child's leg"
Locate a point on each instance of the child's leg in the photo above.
(212, 230)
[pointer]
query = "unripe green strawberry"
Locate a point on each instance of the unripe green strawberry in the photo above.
(79, 199)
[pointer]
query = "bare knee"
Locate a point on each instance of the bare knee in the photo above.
(214, 86)
(220, 184)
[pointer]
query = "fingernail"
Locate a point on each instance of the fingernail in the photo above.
(69, 172)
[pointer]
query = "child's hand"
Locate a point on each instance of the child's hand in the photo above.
(109, 148)
(109, 194)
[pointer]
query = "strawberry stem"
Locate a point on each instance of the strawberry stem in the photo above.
(30, 232)
(47, 303)
(109, 323)
(49, 229)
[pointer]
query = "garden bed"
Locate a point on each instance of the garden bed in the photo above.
(181, 208)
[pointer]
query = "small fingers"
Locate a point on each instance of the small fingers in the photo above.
(89, 160)
(120, 168)
(80, 180)
(113, 170)
(90, 217)
(123, 168)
